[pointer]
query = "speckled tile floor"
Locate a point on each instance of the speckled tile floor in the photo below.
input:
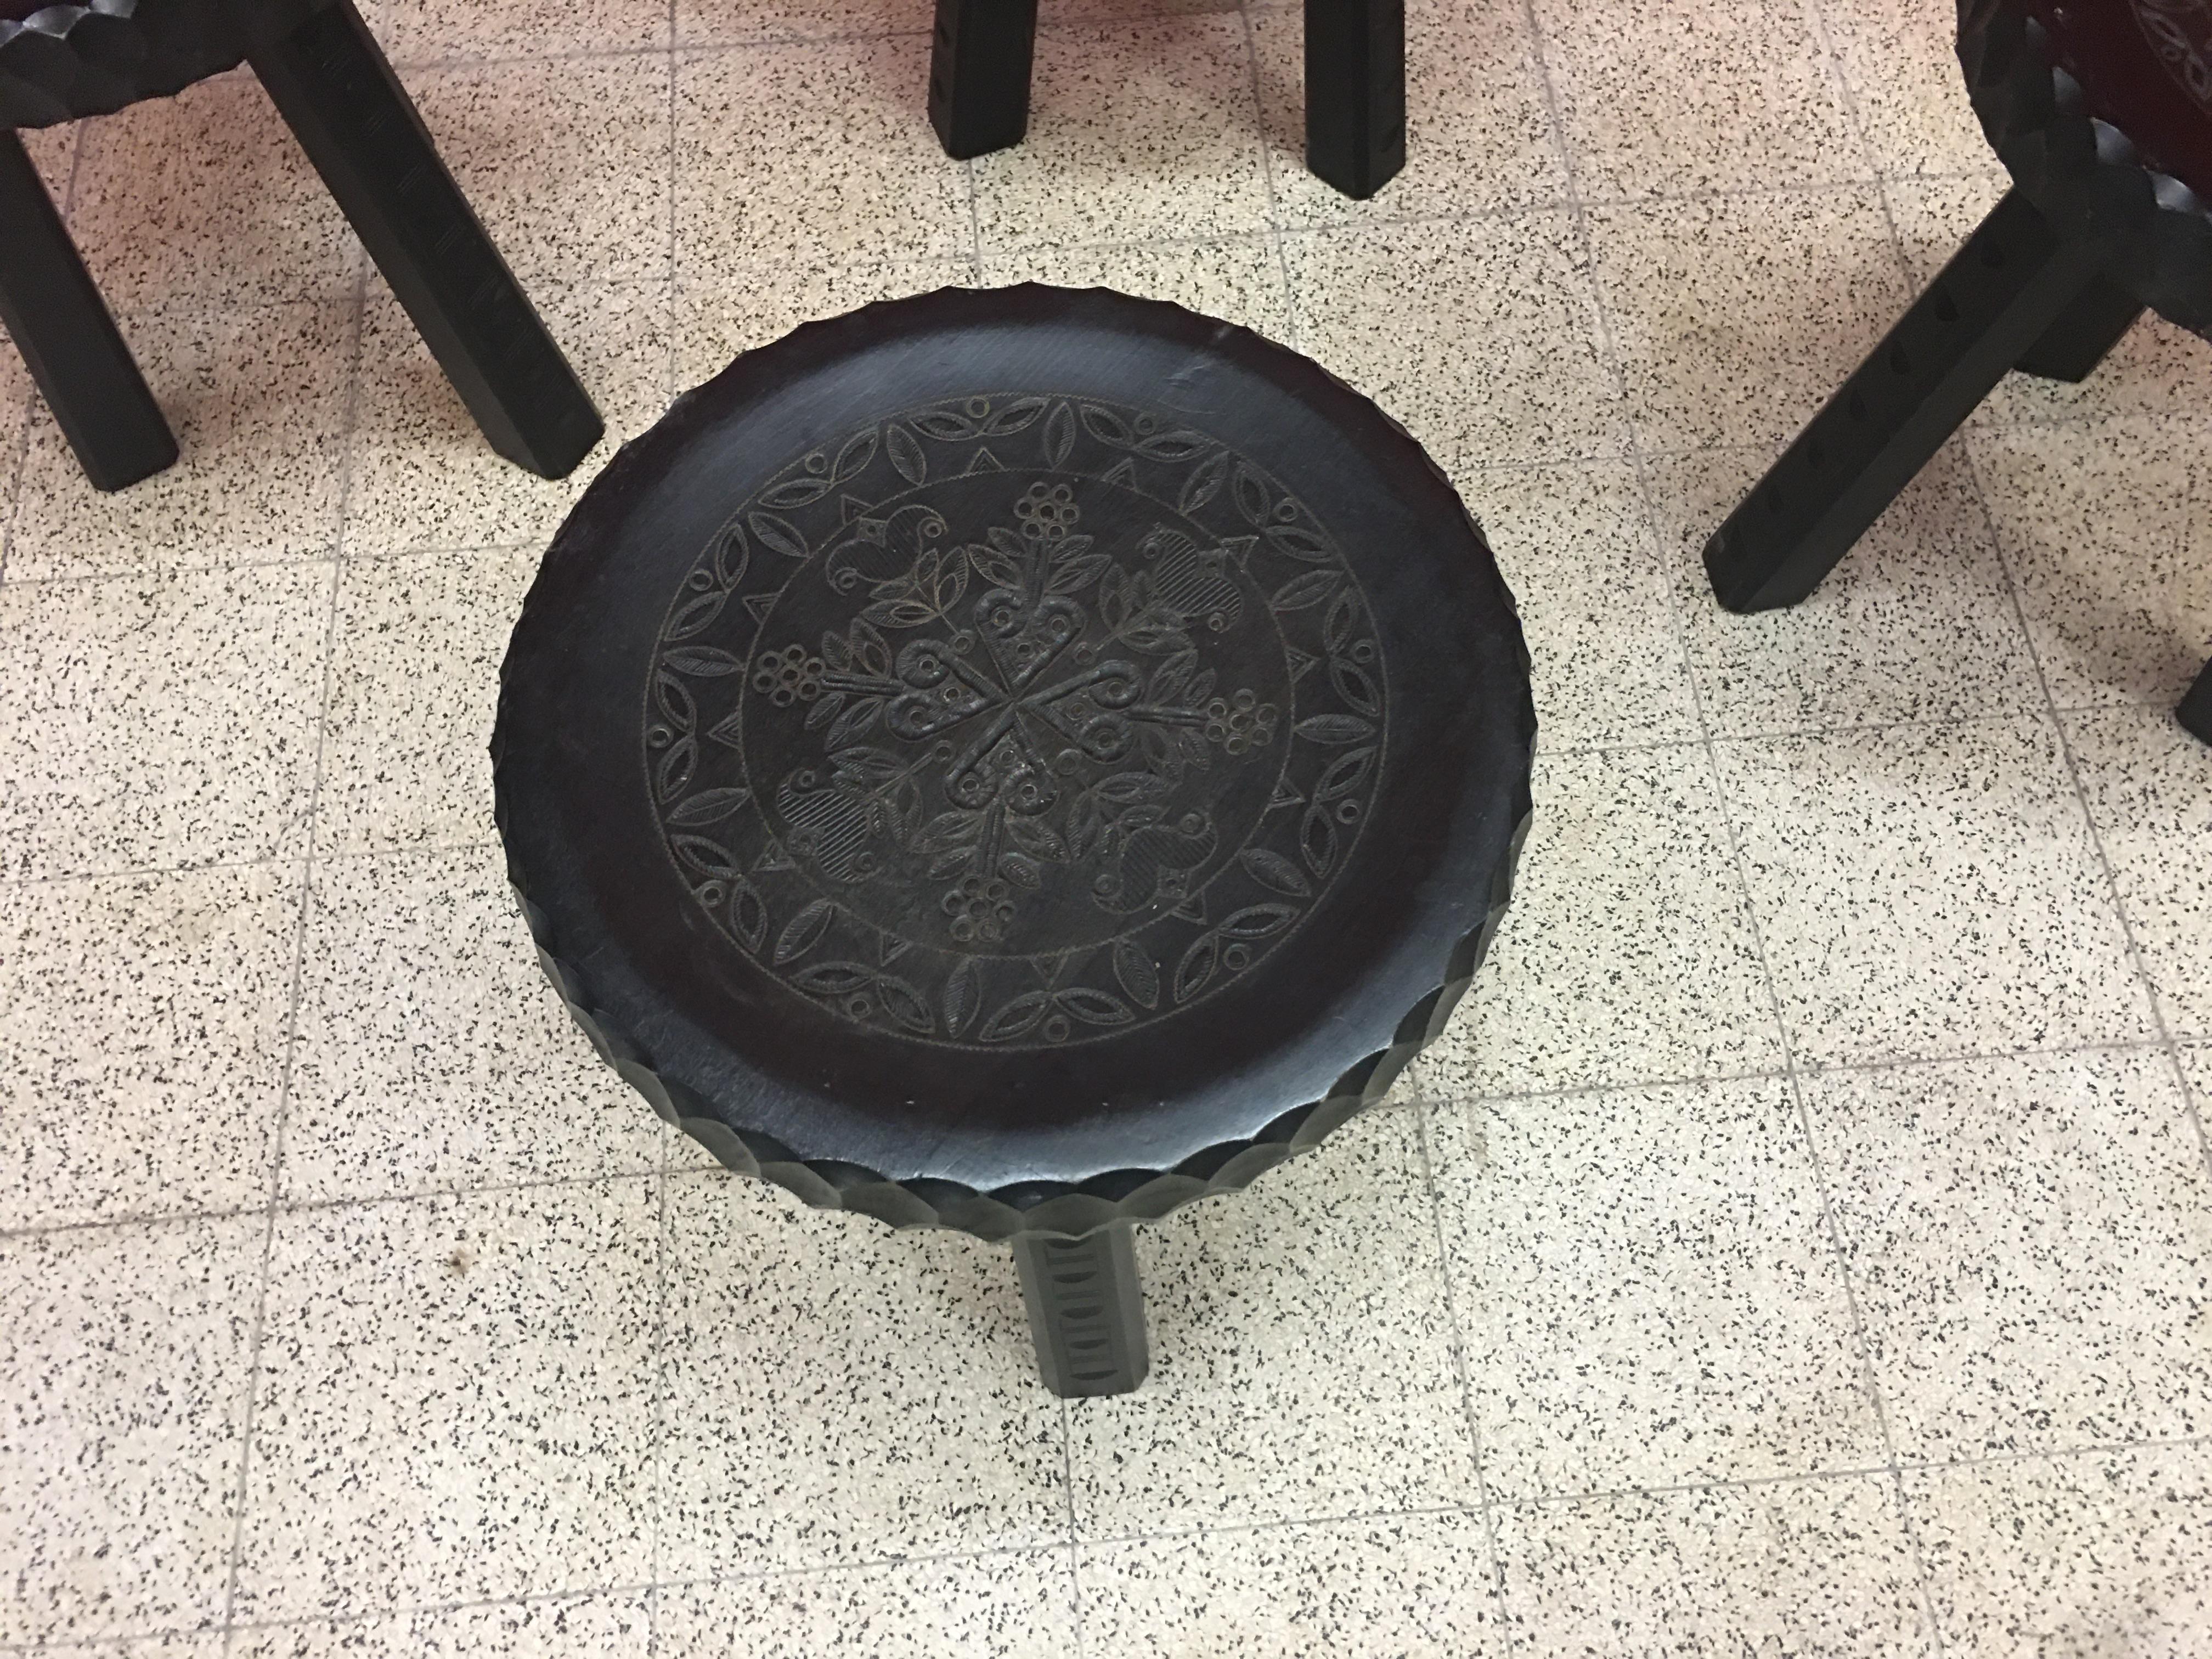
(1801, 1244)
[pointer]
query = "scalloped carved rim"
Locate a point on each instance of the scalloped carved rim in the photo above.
(2083, 171)
(68, 61)
(1058, 1208)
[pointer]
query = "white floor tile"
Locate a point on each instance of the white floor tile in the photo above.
(455, 1401)
(2030, 1240)
(1648, 1291)
(122, 1408)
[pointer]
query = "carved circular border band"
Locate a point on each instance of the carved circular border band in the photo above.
(1012, 661)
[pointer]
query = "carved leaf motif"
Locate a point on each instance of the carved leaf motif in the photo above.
(1301, 591)
(748, 914)
(1017, 417)
(853, 459)
(833, 979)
(1180, 445)
(855, 723)
(1075, 574)
(870, 650)
(700, 661)
(1196, 967)
(1204, 483)
(676, 767)
(1258, 921)
(1107, 427)
(899, 613)
(1127, 788)
(1138, 978)
(1334, 728)
(962, 996)
(1037, 837)
(709, 806)
(676, 705)
(1170, 678)
(1094, 1007)
(777, 535)
(953, 829)
(695, 614)
(1252, 497)
(804, 931)
(795, 492)
(1058, 435)
(1353, 685)
(862, 765)
(1273, 870)
(733, 553)
(1344, 774)
(1017, 1017)
(945, 425)
(707, 858)
(999, 566)
(1297, 543)
(1086, 822)
(1343, 611)
(906, 454)
(1317, 840)
(905, 1005)
(825, 709)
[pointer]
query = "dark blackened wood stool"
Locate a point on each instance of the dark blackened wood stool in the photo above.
(1017, 761)
(331, 84)
(979, 84)
(2102, 111)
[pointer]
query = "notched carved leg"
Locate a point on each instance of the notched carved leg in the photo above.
(1086, 1310)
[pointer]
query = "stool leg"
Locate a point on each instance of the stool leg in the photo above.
(2194, 712)
(1355, 93)
(2074, 345)
(68, 340)
(1086, 1310)
(979, 75)
(1999, 296)
(330, 83)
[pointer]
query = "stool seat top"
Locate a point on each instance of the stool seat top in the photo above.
(1004, 747)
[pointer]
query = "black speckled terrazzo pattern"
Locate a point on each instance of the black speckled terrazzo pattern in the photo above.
(1797, 1242)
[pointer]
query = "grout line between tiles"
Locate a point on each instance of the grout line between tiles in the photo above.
(891, 1561)
(1457, 1334)
(1579, 220)
(973, 190)
(677, 1166)
(464, 62)
(1608, 349)
(1267, 183)
(243, 1492)
(2145, 985)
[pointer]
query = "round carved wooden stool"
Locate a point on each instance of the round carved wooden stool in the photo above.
(1017, 761)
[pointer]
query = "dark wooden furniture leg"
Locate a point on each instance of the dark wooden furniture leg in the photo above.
(330, 83)
(979, 73)
(1086, 1310)
(69, 342)
(2002, 295)
(2195, 711)
(2086, 330)
(1355, 93)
